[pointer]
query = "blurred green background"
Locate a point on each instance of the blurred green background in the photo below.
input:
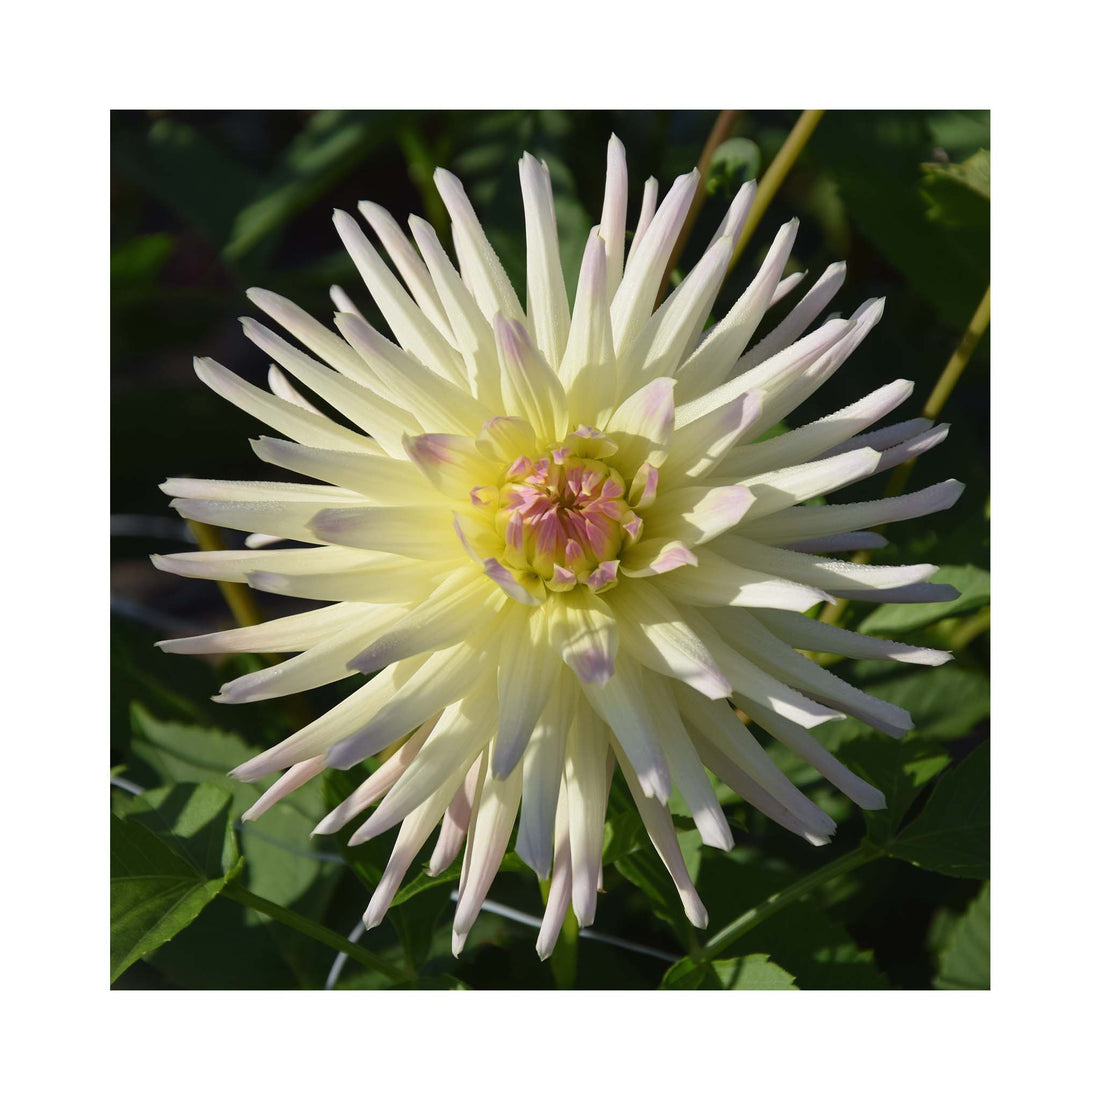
(206, 204)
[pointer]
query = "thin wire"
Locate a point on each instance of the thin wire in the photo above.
(505, 911)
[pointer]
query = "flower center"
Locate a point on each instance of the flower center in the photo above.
(565, 518)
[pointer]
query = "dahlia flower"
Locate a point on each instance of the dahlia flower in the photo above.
(557, 541)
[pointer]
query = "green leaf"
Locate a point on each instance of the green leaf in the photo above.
(282, 860)
(136, 264)
(328, 147)
(170, 857)
(875, 158)
(964, 958)
(734, 161)
(958, 194)
(184, 169)
(744, 972)
(899, 769)
(752, 972)
(897, 618)
(951, 834)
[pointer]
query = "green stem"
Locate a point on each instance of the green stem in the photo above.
(970, 628)
(238, 596)
(776, 174)
(795, 892)
(315, 931)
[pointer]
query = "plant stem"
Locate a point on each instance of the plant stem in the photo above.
(237, 596)
(945, 384)
(315, 931)
(974, 332)
(723, 124)
(775, 175)
(795, 892)
(970, 628)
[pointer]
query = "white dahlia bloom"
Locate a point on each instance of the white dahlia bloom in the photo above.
(557, 543)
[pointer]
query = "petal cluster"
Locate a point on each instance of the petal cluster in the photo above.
(558, 541)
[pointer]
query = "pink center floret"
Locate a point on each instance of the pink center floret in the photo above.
(564, 511)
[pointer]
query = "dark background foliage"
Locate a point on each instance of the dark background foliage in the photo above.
(206, 204)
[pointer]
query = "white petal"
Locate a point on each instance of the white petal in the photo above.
(588, 369)
(375, 785)
(652, 631)
(414, 832)
(812, 521)
(388, 579)
(716, 582)
(773, 374)
(280, 386)
(621, 704)
(452, 463)
(805, 745)
(584, 632)
(697, 514)
(828, 574)
(413, 330)
(409, 264)
(710, 364)
(324, 663)
(687, 772)
(452, 833)
(642, 425)
(333, 725)
(661, 832)
(645, 216)
(543, 762)
(613, 214)
(717, 724)
(739, 781)
(524, 679)
(435, 402)
(528, 385)
(742, 630)
(805, 633)
(235, 565)
(305, 427)
(286, 784)
(547, 302)
(653, 557)
(416, 531)
(255, 492)
(586, 787)
(320, 340)
(817, 440)
(462, 602)
(838, 544)
(673, 330)
(366, 407)
(290, 634)
(698, 447)
(561, 887)
(883, 438)
(780, 490)
(645, 268)
(473, 333)
(798, 320)
(424, 687)
(490, 828)
(286, 519)
(753, 680)
(376, 478)
(481, 269)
